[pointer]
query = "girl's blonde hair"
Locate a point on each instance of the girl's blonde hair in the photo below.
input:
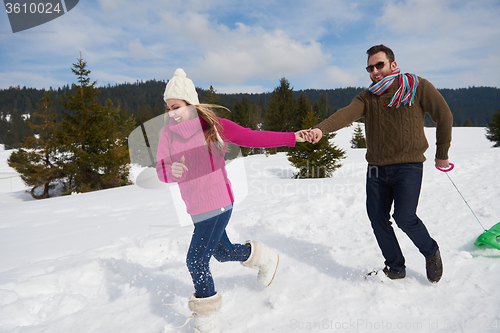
(213, 135)
(212, 127)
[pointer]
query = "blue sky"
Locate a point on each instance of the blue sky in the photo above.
(247, 46)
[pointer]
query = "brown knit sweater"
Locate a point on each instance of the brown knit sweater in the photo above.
(396, 135)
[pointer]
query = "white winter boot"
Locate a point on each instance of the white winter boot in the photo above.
(206, 313)
(265, 260)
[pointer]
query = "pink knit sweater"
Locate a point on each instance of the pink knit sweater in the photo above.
(204, 186)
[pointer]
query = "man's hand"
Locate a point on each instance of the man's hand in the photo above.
(309, 135)
(315, 135)
(179, 167)
(443, 164)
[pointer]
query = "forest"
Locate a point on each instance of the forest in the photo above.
(473, 106)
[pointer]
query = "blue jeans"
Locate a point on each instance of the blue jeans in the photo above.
(399, 184)
(210, 239)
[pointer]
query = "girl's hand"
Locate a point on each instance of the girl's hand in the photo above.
(179, 167)
(303, 136)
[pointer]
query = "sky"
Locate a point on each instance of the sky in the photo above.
(248, 46)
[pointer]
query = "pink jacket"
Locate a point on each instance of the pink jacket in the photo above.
(204, 186)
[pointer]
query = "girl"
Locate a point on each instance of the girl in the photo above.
(191, 153)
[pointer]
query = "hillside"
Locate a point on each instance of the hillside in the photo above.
(114, 260)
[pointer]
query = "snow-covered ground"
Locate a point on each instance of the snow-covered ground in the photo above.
(113, 261)
(9, 178)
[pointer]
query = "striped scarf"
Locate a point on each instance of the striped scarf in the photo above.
(408, 84)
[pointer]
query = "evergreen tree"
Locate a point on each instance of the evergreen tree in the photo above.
(37, 160)
(282, 111)
(467, 123)
(212, 97)
(257, 116)
(322, 106)
(17, 130)
(493, 129)
(94, 137)
(280, 116)
(115, 156)
(318, 160)
(358, 139)
(4, 127)
(240, 114)
(303, 107)
(144, 113)
(10, 140)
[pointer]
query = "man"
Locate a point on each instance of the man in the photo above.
(394, 107)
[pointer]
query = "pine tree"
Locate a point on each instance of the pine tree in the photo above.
(144, 113)
(17, 130)
(358, 139)
(303, 107)
(10, 140)
(37, 161)
(282, 111)
(318, 160)
(94, 137)
(212, 97)
(322, 106)
(467, 123)
(240, 114)
(493, 129)
(280, 116)
(4, 127)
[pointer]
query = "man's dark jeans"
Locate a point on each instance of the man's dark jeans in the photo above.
(399, 184)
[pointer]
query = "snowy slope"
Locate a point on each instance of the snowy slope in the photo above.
(113, 261)
(9, 179)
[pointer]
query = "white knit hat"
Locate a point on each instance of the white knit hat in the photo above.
(180, 87)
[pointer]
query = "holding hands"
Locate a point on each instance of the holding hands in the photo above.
(309, 135)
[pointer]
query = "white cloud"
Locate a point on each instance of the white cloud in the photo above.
(236, 89)
(194, 27)
(335, 76)
(39, 79)
(264, 55)
(137, 50)
(106, 76)
(448, 40)
(245, 52)
(251, 44)
(110, 4)
(419, 16)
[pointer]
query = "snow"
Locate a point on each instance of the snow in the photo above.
(113, 260)
(9, 179)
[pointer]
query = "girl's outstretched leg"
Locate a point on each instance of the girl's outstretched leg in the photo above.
(227, 251)
(265, 260)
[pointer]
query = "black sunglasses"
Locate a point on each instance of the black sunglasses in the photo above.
(378, 65)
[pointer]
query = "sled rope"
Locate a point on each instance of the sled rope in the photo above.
(466, 202)
(488, 237)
